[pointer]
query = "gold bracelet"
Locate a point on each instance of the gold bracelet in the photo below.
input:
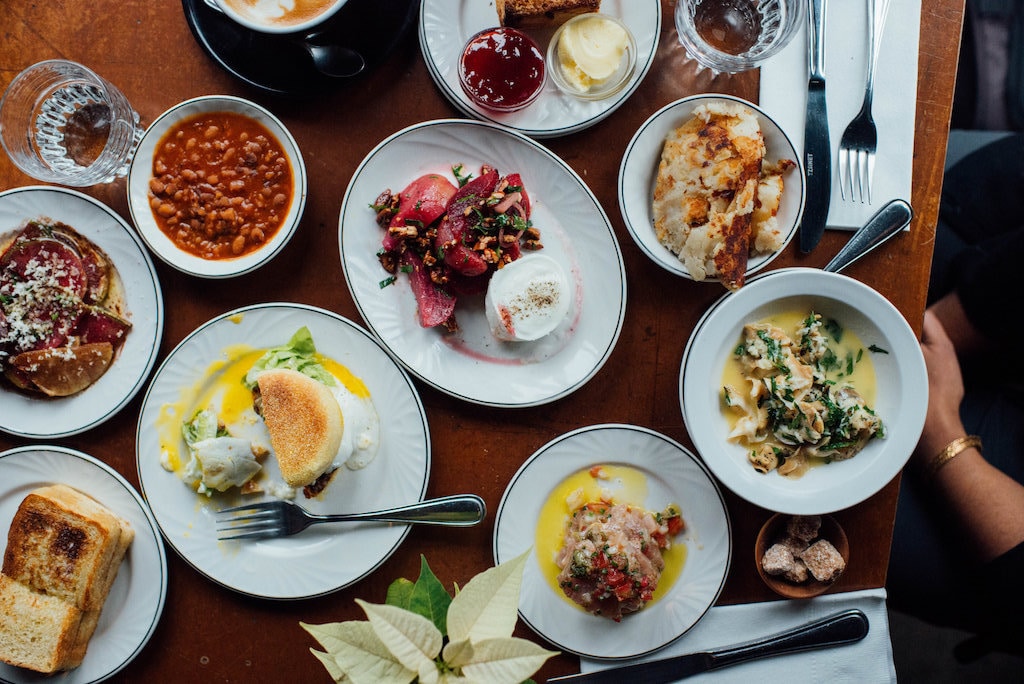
(954, 449)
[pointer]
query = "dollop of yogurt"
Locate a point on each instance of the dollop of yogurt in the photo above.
(590, 50)
(527, 299)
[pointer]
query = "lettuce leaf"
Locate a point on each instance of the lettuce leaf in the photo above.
(298, 354)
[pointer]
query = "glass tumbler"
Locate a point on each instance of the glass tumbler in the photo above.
(62, 123)
(729, 36)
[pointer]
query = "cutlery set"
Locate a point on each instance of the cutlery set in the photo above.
(859, 142)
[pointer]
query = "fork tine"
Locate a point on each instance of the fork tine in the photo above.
(259, 506)
(844, 160)
(247, 523)
(245, 518)
(871, 173)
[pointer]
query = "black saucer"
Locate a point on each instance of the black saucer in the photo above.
(278, 65)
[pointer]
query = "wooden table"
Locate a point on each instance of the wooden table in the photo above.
(146, 49)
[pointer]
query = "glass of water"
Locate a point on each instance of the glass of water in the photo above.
(60, 122)
(729, 36)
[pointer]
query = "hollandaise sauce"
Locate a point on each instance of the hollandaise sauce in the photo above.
(617, 483)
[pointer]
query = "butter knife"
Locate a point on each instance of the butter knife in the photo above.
(817, 148)
(845, 627)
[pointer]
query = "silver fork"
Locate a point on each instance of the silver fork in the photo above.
(859, 143)
(279, 518)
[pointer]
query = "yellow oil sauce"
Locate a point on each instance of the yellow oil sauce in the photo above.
(622, 484)
(862, 379)
(222, 389)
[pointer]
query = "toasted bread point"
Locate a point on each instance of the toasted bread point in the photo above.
(64, 543)
(304, 422)
(64, 371)
(541, 13)
(37, 631)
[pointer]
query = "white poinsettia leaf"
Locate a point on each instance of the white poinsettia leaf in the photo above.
(487, 607)
(505, 661)
(328, 661)
(458, 653)
(412, 639)
(359, 653)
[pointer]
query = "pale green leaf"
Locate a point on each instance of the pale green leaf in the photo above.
(360, 653)
(330, 663)
(487, 607)
(429, 674)
(505, 661)
(458, 653)
(411, 639)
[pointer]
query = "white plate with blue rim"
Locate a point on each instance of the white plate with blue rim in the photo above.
(671, 475)
(39, 417)
(136, 599)
(323, 558)
(446, 27)
(472, 364)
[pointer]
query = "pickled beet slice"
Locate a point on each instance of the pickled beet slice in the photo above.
(100, 325)
(434, 304)
(423, 201)
(47, 261)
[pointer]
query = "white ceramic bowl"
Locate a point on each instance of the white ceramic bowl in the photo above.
(141, 172)
(639, 170)
(901, 377)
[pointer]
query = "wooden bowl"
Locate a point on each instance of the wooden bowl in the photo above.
(774, 530)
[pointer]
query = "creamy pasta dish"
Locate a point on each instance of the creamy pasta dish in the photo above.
(799, 400)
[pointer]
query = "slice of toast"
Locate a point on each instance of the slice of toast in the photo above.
(541, 13)
(64, 543)
(37, 631)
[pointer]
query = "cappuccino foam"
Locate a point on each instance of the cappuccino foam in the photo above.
(280, 12)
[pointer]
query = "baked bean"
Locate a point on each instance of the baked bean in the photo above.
(223, 189)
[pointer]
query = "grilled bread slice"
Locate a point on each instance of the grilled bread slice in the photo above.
(541, 13)
(65, 544)
(37, 631)
(304, 421)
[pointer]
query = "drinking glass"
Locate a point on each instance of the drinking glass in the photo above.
(62, 123)
(729, 36)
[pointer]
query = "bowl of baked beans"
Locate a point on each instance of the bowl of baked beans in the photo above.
(217, 186)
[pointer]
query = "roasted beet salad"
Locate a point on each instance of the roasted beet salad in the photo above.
(62, 317)
(449, 239)
(611, 561)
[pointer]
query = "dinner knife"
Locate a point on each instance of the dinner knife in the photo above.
(845, 627)
(817, 148)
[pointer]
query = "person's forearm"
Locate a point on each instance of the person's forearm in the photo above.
(965, 336)
(986, 503)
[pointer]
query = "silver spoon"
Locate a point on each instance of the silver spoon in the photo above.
(887, 222)
(330, 59)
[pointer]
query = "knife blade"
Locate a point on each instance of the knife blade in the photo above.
(845, 627)
(817, 147)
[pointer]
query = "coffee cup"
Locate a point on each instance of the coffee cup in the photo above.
(278, 16)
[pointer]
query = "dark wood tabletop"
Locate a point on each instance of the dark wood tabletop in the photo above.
(210, 633)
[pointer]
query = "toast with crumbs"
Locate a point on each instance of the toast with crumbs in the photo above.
(66, 544)
(541, 13)
(63, 553)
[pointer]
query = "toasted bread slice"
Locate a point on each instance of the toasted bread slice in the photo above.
(37, 631)
(304, 422)
(63, 371)
(64, 543)
(541, 13)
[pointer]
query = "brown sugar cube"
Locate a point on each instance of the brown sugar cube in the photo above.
(823, 560)
(804, 527)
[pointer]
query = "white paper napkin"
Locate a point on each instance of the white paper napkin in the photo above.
(784, 96)
(868, 660)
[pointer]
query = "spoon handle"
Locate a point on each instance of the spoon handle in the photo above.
(887, 222)
(459, 510)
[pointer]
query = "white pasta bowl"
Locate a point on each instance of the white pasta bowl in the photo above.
(141, 172)
(901, 389)
(639, 171)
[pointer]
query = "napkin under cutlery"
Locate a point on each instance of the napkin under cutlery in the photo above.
(784, 84)
(869, 660)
